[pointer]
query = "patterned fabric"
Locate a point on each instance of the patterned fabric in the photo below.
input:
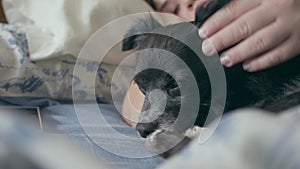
(50, 78)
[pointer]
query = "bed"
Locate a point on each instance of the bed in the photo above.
(37, 71)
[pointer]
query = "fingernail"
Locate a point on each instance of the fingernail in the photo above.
(208, 48)
(202, 32)
(225, 60)
(247, 67)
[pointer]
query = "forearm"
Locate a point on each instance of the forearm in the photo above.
(132, 105)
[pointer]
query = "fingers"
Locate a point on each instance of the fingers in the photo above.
(260, 42)
(226, 15)
(238, 30)
(280, 54)
(259, 33)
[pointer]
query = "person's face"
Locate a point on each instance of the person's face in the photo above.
(183, 8)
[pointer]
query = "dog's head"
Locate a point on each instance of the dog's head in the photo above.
(161, 54)
(160, 77)
(162, 51)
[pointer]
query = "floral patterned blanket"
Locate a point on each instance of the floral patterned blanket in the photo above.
(49, 78)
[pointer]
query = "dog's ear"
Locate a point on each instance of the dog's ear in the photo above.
(203, 13)
(131, 41)
(139, 32)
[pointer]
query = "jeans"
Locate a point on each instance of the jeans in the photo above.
(112, 150)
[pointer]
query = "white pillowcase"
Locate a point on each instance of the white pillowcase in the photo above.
(59, 27)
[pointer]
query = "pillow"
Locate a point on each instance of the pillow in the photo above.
(59, 27)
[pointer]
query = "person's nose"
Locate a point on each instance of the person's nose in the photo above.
(187, 4)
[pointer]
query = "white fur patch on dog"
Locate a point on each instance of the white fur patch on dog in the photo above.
(193, 132)
(151, 138)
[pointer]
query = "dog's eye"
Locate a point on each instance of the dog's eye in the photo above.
(174, 91)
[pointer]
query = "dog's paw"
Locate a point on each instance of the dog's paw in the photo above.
(166, 143)
(193, 132)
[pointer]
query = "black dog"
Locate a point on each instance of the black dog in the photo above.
(164, 97)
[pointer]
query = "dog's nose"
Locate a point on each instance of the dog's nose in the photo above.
(145, 129)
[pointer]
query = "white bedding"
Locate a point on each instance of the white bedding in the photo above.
(40, 45)
(246, 139)
(58, 27)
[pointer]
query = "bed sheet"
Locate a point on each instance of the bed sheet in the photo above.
(246, 139)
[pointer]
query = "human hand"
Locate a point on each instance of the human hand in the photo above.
(259, 33)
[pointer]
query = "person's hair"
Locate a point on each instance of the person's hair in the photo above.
(151, 3)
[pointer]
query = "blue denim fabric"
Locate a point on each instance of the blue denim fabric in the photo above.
(64, 119)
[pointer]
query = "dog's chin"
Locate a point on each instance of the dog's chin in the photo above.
(166, 143)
